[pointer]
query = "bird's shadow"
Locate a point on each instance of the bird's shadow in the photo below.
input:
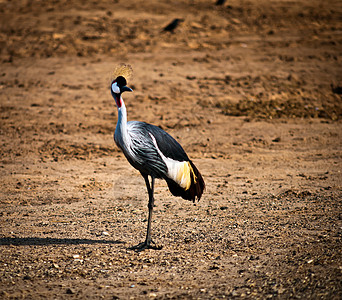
(35, 241)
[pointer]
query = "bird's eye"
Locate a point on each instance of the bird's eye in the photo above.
(115, 88)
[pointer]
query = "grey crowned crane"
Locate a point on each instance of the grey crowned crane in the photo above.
(155, 153)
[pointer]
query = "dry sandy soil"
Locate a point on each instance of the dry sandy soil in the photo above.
(251, 89)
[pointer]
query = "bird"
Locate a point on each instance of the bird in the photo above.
(220, 2)
(154, 153)
(173, 25)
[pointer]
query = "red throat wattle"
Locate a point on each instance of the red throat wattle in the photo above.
(118, 101)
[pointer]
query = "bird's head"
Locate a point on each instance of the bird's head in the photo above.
(117, 87)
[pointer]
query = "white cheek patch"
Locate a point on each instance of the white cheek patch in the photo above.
(115, 88)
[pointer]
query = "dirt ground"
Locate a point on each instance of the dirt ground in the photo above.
(251, 89)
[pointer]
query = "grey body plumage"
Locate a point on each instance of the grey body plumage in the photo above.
(140, 150)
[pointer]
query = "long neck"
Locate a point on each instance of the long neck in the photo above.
(121, 135)
(122, 114)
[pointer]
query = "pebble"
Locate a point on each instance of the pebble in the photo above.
(70, 291)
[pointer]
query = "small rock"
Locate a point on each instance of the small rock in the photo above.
(294, 78)
(252, 257)
(70, 291)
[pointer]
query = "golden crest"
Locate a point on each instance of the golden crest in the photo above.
(123, 70)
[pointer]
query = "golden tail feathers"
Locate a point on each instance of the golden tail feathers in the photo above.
(193, 189)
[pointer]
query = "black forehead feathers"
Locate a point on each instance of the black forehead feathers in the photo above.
(121, 81)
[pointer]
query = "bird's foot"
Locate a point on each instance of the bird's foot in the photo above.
(146, 245)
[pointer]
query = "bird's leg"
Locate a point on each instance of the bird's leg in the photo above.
(150, 190)
(148, 241)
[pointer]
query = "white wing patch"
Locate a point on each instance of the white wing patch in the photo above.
(178, 171)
